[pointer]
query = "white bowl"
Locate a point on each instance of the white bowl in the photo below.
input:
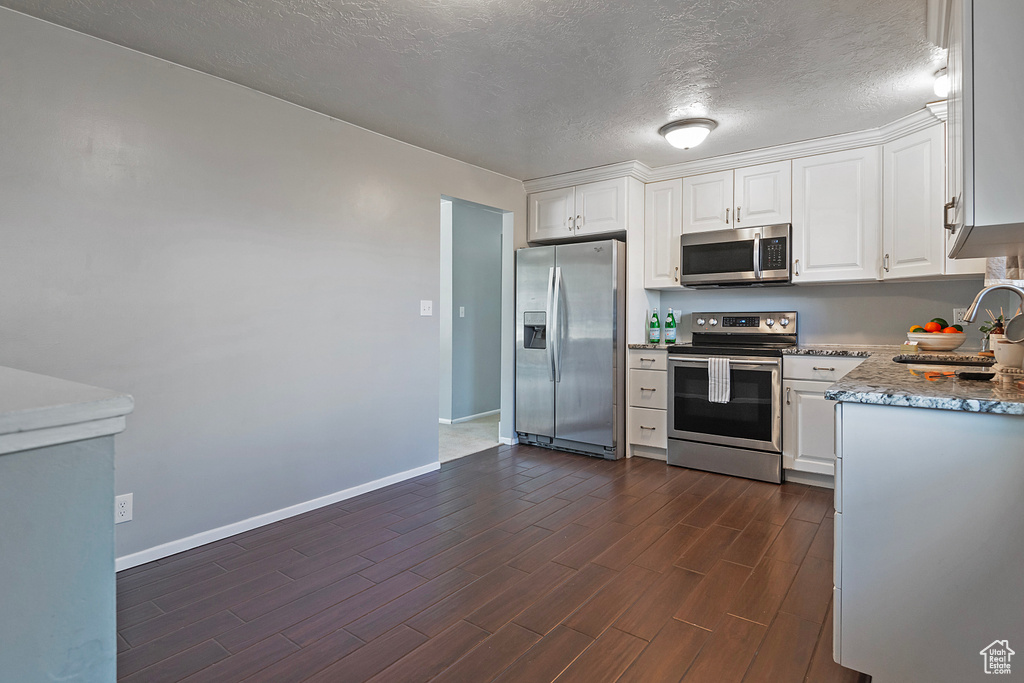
(937, 341)
(1008, 354)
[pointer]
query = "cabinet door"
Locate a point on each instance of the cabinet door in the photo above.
(601, 207)
(764, 194)
(955, 114)
(837, 213)
(707, 202)
(912, 231)
(663, 223)
(808, 430)
(551, 215)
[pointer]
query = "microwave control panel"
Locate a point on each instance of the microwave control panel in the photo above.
(774, 255)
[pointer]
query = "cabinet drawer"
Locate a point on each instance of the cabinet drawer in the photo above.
(822, 368)
(648, 427)
(648, 359)
(647, 389)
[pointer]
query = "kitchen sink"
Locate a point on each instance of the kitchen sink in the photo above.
(910, 359)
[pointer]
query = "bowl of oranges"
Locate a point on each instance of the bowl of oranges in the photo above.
(937, 335)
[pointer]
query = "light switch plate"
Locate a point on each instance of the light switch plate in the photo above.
(462, 311)
(426, 307)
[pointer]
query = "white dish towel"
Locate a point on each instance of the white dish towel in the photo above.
(718, 380)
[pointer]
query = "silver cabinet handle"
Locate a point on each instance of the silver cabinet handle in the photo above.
(796, 267)
(951, 204)
(788, 402)
(579, 221)
(738, 214)
(677, 273)
(647, 360)
(650, 428)
(570, 221)
(646, 389)
(828, 369)
(885, 263)
(727, 215)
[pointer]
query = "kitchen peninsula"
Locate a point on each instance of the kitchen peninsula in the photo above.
(57, 530)
(929, 537)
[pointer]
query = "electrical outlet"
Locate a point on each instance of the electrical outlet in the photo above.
(426, 307)
(958, 315)
(123, 508)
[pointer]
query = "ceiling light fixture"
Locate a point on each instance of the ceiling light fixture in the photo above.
(687, 133)
(941, 85)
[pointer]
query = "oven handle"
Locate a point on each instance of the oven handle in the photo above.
(732, 363)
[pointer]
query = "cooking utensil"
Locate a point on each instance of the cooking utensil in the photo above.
(1014, 329)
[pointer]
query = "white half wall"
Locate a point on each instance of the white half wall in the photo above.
(250, 271)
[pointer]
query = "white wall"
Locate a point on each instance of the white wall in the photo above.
(249, 270)
(476, 287)
(870, 314)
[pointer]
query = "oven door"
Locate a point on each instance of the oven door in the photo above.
(751, 419)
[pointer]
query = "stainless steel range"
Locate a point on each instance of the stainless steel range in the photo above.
(726, 415)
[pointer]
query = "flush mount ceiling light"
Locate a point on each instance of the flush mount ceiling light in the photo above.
(687, 133)
(941, 85)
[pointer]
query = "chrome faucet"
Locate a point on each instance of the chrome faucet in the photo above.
(972, 312)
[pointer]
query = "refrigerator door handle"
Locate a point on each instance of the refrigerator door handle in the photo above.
(556, 325)
(551, 324)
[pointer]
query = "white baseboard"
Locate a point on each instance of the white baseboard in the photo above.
(825, 481)
(196, 540)
(508, 440)
(468, 417)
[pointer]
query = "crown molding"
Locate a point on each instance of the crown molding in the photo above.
(938, 109)
(623, 169)
(919, 120)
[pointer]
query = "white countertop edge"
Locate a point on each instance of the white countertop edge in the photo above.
(52, 436)
(31, 402)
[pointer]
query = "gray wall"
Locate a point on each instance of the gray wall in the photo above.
(57, 566)
(871, 314)
(249, 270)
(444, 313)
(476, 286)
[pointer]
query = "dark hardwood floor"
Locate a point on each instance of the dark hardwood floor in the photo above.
(515, 564)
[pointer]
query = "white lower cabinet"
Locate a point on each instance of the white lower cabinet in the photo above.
(647, 414)
(808, 429)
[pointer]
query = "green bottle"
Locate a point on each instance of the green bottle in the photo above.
(654, 331)
(670, 328)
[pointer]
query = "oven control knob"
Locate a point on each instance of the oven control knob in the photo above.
(784, 321)
(700, 322)
(713, 322)
(770, 322)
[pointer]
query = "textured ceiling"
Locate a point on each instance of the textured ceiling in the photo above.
(531, 88)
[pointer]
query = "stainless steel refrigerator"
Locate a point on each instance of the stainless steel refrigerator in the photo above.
(570, 347)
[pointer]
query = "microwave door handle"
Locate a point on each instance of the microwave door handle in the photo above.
(757, 256)
(557, 332)
(551, 325)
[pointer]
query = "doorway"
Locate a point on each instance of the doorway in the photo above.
(470, 317)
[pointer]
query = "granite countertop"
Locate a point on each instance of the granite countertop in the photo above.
(649, 347)
(881, 381)
(850, 351)
(37, 411)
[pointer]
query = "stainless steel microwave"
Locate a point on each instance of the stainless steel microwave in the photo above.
(731, 258)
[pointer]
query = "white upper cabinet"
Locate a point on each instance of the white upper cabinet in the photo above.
(912, 232)
(746, 197)
(837, 216)
(601, 207)
(764, 195)
(551, 214)
(663, 223)
(592, 209)
(707, 202)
